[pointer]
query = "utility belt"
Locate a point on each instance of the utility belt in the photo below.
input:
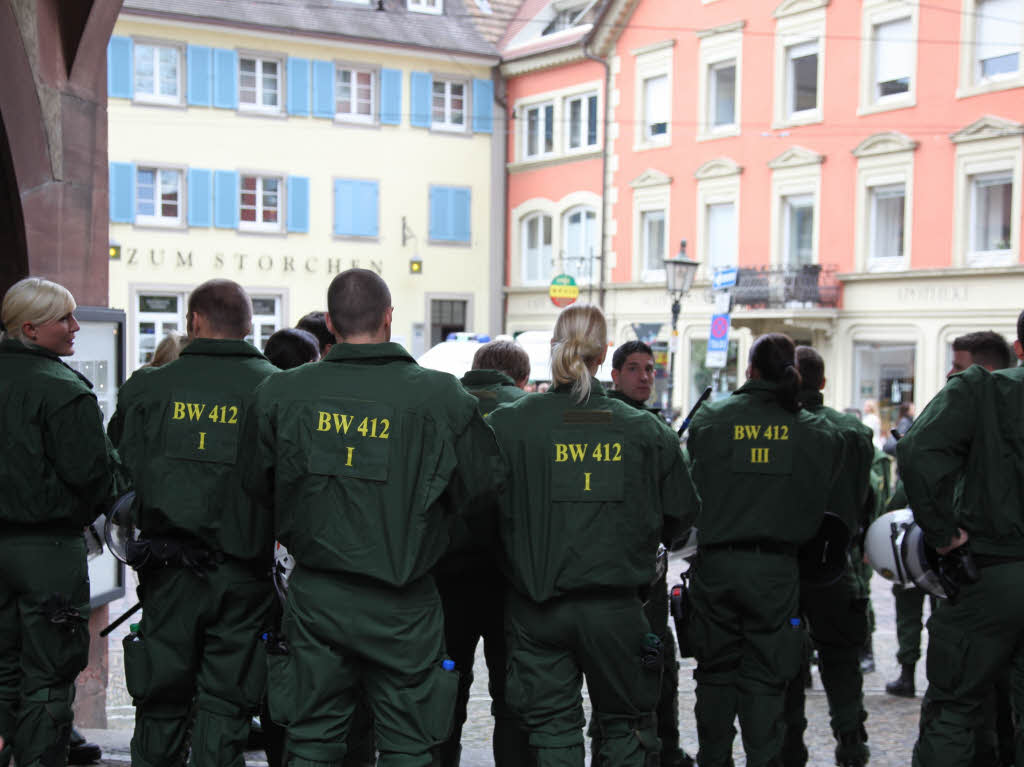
(145, 554)
(757, 547)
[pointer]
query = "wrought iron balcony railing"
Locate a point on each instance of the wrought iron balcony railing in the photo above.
(793, 287)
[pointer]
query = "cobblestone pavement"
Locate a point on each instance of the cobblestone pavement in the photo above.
(892, 722)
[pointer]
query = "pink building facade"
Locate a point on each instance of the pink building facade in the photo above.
(860, 163)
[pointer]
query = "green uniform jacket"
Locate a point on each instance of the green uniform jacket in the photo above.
(59, 470)
(365, 456)
(621, 397)
(593, 489)
(491, 388)
(181, 428)
(763, 473)
(852, 486)
(970, 432)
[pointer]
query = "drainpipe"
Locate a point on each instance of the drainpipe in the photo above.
(501, 99)
(604, 166)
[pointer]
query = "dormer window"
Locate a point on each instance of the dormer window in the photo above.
(563, 20)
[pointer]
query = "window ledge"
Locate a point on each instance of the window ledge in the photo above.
(156, 224)
(812, 118)
(981, 260)
(151, 102)
(253, 112)
(261, 232)
(729, 131)
(451, 243)
(356, 237)
(882, 265)
(888, 106)
(355, 122)
(990, 86)
(547, 162)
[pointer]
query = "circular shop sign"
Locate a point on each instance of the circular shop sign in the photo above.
(563, 290)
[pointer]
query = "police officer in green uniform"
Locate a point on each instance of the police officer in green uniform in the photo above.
(878, 498)
(836, 614)
(764, 470)
(370, 464)
(203, 569)
(633, 376)
(970, 437)
(58, 473)
(595, 484)
(471, 584)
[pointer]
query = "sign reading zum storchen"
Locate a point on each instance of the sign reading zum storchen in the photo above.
(563, 290)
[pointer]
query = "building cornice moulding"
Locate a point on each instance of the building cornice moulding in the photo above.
(987, 127)
(720, 167)
(796, 156)
(793, 7)
(885, 143)
(649, 178)
(721, 29)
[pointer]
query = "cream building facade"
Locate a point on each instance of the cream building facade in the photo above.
(280, 149)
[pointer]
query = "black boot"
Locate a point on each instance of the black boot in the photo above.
(904, 686)
(852, 749)
(867, 658)
(80, 752)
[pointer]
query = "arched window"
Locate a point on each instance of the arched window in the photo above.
(536, 249)
(579, 244)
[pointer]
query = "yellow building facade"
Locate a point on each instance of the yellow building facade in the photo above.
(279, 155)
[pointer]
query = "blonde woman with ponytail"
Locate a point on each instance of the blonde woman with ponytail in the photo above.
(594, 486)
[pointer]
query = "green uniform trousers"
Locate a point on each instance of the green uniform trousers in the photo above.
(474, 609)
(748, 642)
(862, 574)
(601, 635)
(909, 612)
(656, 609)
(970, 644)
(198, 642)
(44, 642)
(836, 616)
(351, 637)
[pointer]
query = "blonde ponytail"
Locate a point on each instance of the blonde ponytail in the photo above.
(580, 338)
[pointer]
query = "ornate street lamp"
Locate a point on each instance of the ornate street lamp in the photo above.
(679, 274)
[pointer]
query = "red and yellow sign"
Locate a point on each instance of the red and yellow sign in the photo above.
(563, 291)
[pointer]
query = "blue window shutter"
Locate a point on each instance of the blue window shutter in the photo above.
(200, 75)
(225, 199)
(483, 106)
(298, 86)
(420, 85)
(200, 197)
(298, 204)
(460, 210)
(323, 89)
(439, 216)
(119, 68)
(344, 207)
(369, 205)
(122, 192)
(391, 96)
(225, 79)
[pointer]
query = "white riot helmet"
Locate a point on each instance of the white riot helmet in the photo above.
(284, 563)
(895, 548)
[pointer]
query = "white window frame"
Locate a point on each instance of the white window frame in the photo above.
(876, 194)
(874, 14)
(546, 264)
(559, 101)
(652, 259)
(566, 260)
(160, 320)
(585, 127)
(447, 125)
(258, 225)
(718, 181)
(796, 173)
(154, 97)
(971, 81)
(652, 191)
(435, 7)
(353, 116)
(718, 47)
(652, 61)
(540, 108)
(979, 153)
(256, 335)
(259, 60)
(789, 203)
(797, 24)
(883, 160)
(157, 219)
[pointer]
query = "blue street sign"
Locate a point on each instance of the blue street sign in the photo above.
(724, 278)
(718, 342)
